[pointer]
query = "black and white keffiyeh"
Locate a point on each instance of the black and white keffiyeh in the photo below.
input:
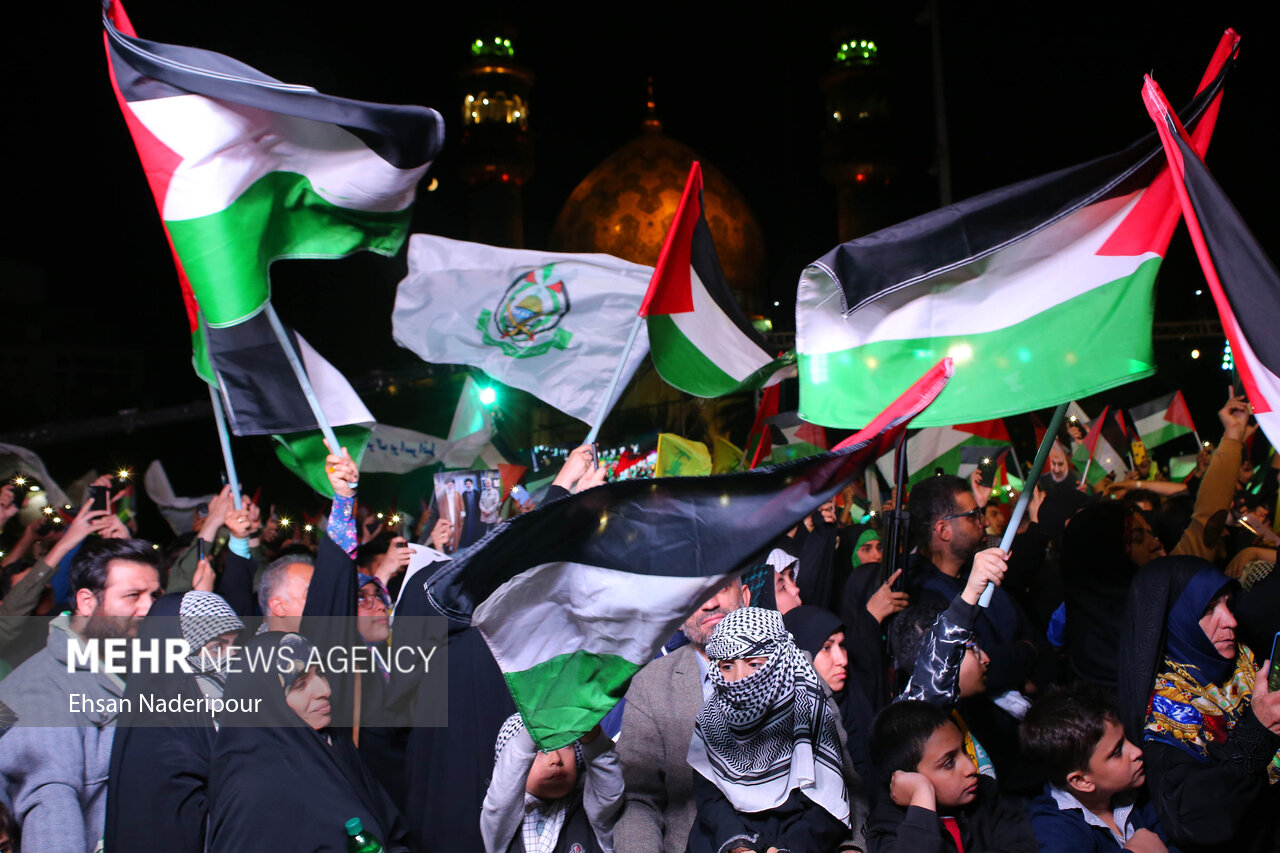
(772, 732)
(203, 616)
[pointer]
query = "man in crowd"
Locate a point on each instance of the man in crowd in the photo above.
(54, 760)
(657, 726)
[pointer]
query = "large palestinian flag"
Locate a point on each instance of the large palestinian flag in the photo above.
(699, 339)
(246, 169)
(575, 597)
(1241, 277)
(1041, 291)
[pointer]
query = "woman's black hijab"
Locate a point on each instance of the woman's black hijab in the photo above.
(1096, 573)
(276, 783)
(157, 790)
(810, 627)
(1166, 600)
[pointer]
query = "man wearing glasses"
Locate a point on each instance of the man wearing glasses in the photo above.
(947, 526)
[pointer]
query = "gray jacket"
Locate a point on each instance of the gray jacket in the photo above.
(657, 725)
(54, 761)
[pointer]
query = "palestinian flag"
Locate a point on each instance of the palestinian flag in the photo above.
(575, 597)
(792, 438)
(760, 438)
(1095, 446)
(950, 448)
(1162, 420)
(699, 339)
(1241, 277)
(245, 170)
(1041, 291)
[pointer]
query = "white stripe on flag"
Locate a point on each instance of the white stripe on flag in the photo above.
(225, 149)
(1010, 290)
(558, 608)
(710, 330)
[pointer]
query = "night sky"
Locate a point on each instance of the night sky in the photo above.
(1027, 90)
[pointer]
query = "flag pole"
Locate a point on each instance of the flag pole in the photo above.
(1084, 478)
(225, 438)
(605, 404)
(295, 363)
(1020, 508)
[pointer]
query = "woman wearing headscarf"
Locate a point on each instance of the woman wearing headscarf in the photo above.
(769, 770)
(283, 778)
(821, 633)
(157, 790)
(1195, 699)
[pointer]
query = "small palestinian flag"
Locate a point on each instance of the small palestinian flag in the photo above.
(1162, 419)
(575, 597)
(699, 339)
(245, 170)
(955, 449)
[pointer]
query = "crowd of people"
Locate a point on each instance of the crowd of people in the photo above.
(1114, 694)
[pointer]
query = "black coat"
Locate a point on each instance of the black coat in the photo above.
(990, 823)
(276, 784)
(157, 790)
(449, 767)
(798, 824)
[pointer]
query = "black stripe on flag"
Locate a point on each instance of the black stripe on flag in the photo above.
(262, 394)
(1249, 279)
(705, 262)
(405, 136)
(671, 526)
(872, 266)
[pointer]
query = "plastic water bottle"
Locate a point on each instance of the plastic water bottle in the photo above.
(360, 840)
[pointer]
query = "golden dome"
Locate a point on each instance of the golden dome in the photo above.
(625, 206)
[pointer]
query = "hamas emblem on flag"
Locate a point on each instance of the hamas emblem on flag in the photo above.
(526, 322)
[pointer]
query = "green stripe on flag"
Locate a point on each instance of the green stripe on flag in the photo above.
(1068, 350)
(562, 698)
(688, 368)
(304, 453)
(1165, 433)
(226, 254)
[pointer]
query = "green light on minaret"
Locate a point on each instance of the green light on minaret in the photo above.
(497, 46)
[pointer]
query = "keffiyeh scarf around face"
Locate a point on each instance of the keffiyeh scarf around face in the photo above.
(772, 732)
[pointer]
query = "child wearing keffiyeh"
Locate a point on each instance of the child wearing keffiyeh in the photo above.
(769, 764)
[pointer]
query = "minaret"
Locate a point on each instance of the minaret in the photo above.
(857, 138)
(496, 146)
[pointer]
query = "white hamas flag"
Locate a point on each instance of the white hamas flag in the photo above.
(554, 325)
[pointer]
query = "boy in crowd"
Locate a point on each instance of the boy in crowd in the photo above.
(1094, 776)
(937, 802)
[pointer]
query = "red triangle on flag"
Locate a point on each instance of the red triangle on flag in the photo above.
(1095, 431)
(671, 287)
(814, 434)
(1179, 413)
(768, 409)
(994, 430)
(557, 286)
(1039, 427)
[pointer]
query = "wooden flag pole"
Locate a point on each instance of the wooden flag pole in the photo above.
(606, 403)
(1020, 508)
(224, 437)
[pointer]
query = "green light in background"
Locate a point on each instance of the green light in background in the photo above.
(488, 396)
